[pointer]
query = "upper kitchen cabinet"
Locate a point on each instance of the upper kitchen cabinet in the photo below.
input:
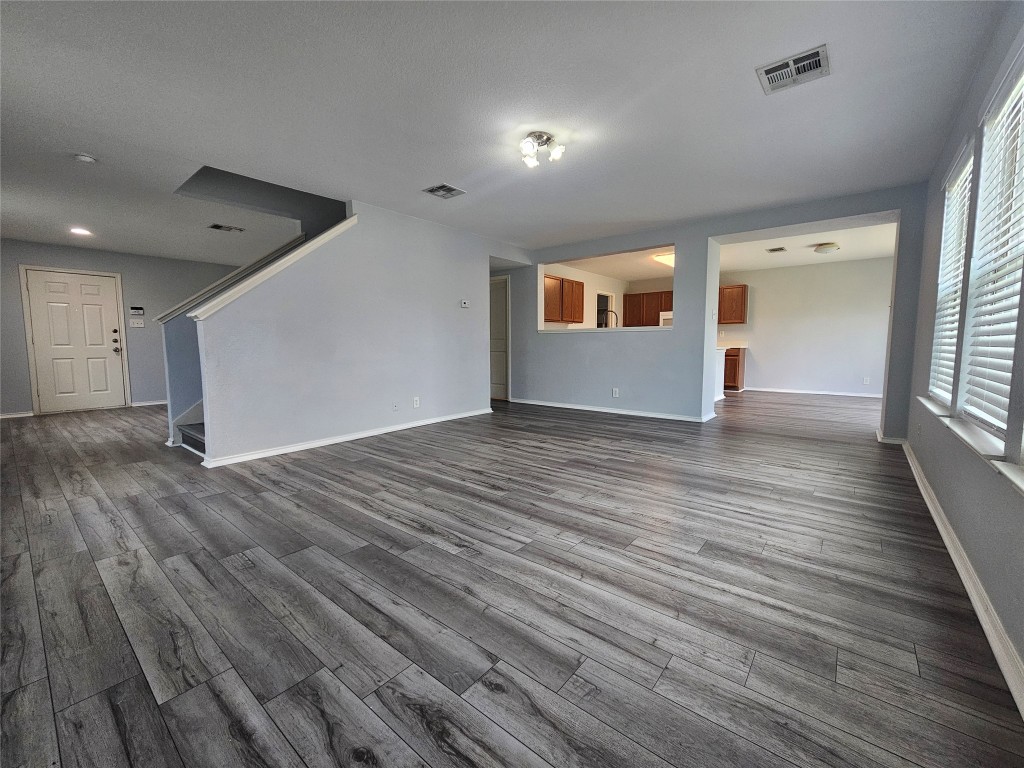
(552, 299)
(732, 304)
(563, 300)
(645, 308)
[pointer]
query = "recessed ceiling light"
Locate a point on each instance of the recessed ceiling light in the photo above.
(80, 231)
(666, 258)
(84, 158)
(826, 247)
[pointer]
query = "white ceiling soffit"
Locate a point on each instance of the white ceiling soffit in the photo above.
(127, 201)
(632, 266)
(378, 101)
(877, 241)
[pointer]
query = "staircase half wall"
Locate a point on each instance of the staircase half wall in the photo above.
(338, 343)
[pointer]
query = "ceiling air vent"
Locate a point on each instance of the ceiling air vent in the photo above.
(780, 249)
(802, 68)
(227, 228)
(445, 191)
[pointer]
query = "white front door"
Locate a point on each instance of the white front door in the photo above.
(76, 340)
(499, 339)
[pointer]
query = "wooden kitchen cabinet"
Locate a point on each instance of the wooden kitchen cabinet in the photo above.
(651, 303)
(734, 359)
(645, 308)
(632, 310)
(732, 304)
(563, 300)
(552, 299)
(572, 301)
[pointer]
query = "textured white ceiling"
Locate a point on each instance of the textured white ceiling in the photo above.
(872, 242)
(631, 266)
(657, 103)
(127, 201)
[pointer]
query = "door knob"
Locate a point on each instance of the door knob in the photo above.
(117, 350)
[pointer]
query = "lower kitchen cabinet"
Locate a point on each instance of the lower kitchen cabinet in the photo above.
(734, 359)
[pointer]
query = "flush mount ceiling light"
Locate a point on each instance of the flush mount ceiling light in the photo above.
(534, 142)
(80, 231)
(826, 247)
(84, 158)
(666, 258)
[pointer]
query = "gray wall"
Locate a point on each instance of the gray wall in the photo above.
(984, 509)
(181, 353)
(369, 319)
(664, 371)
(156, 284)
(815, 328)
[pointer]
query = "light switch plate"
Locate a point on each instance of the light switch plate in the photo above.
(136, 323)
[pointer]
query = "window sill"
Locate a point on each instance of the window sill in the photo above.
(983, 443)
(1012, 472)
(934, 406)
(986, 445)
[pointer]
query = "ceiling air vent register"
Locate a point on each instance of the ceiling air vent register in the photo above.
(445, 191)
(227, 228)
(780, 249)
(802, 68)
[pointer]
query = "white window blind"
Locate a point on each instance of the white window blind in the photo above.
(994, 291)
(951, 275)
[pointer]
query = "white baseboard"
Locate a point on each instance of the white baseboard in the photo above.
(1007, 656)
(19, 415)
(620, 411)
(148, 402)
(889, 440)
(262, 454)
(811, 392)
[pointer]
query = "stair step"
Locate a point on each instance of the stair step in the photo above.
(195, 430)
(194, 436)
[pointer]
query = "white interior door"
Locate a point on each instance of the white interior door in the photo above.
(499, 339)
(76, 340)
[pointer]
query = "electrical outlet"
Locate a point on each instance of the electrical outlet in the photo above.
(394, 407)
(615, 391)
(416, 402)
(133, 323)
(867, 380)
(721, 334)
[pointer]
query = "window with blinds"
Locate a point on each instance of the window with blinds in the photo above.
(996, 263)
(951, 277)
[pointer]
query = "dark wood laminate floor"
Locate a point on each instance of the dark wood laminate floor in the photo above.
(535, 587)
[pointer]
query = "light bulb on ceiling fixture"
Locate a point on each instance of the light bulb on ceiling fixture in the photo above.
(80, 231)
(534, 142)
(826, 247)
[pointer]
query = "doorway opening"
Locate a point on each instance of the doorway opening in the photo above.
(806, 309)
(501, 362)
(607, 317)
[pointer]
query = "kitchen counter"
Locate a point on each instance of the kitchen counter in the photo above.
(724, 344)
